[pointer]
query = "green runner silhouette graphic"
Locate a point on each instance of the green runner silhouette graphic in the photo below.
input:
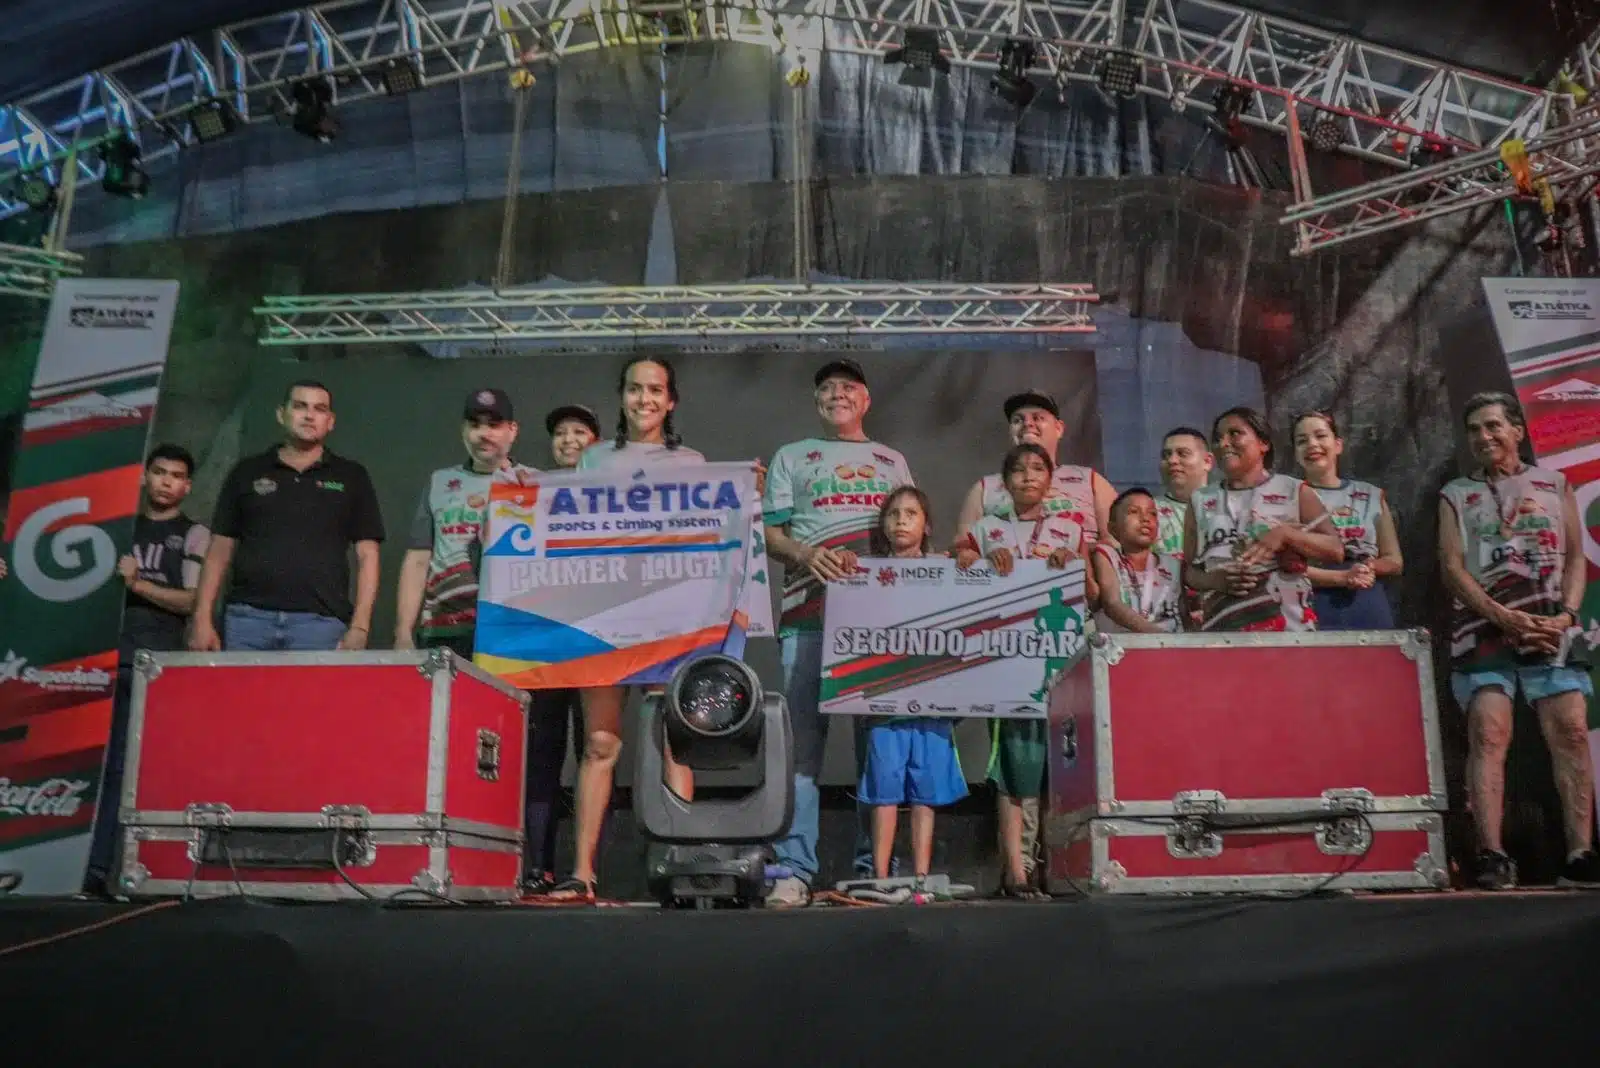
(1057, 617)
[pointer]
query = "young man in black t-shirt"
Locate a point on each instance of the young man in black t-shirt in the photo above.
(161, 571)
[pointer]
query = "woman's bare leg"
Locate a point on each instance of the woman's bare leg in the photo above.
(1011, 840)
(602, 743)
(921, 839)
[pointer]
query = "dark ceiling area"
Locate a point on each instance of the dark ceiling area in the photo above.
(46, 42)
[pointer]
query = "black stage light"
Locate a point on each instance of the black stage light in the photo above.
(1327, 133)
(1121, 74)
(213, 120)
(1010, 83)
(37, 193)
(124, 177)
(920, 53)
(716, 716)
(400, 76)
(313, 110)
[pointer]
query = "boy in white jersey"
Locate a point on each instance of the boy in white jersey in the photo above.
(1186, 463)
(1079, 493)
(1141, 590)
(821, 503)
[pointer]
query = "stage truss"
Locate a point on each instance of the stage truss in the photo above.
(32, 272)
(750, 312)
(1384, 102)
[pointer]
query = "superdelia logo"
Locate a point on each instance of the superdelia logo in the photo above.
(77, 679)
(51, 798)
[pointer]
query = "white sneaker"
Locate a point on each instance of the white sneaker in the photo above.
(788, 893)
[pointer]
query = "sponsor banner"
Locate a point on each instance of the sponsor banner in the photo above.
(924, 638)
(596, 578)
(75, 491)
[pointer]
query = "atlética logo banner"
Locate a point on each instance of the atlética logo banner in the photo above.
(597, 578)
(75, 492)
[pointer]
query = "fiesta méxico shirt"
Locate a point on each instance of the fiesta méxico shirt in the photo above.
(828, 493)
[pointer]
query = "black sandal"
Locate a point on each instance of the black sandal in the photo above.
(573, 889)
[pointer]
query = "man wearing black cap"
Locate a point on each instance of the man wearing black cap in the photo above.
(572, 428)
(820, 502)
(285, 523)
(1080, 493)
(437, 602)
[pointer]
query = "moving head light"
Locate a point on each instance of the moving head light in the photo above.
(716, 716)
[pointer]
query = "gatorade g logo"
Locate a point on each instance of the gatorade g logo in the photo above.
(84, 552)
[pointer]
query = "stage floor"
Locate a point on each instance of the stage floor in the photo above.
(1415, 980)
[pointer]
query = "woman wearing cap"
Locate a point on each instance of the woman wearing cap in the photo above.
(645, 436)
(1349, 597)
(552, 713)
(1246, 542)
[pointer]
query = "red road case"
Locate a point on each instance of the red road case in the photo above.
(1241, 763)
(251, 772)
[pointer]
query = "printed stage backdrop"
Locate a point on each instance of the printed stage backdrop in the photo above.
(75, 491)
(924, 638)
(1550, 331)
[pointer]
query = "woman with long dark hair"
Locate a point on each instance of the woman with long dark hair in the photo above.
(1247, 541)
(645, 435)
(1351, 597)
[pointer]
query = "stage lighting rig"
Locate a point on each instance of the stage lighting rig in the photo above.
(921, 56)
(1121, 74)
(1010, 83)
(124, 176)
(716, 717)
(213, 120)
(312, 113)
(400, 76)
(37, 193)
(1327, 133)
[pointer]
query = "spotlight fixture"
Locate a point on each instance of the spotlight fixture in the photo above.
(1010, 83)
(715, 716)
(401, 76)
(313, 110)
(124, 177)
(1121, 74)
(213, 120)
(1231, 101)
(1327, 133)
(37, 193)
(921, 56)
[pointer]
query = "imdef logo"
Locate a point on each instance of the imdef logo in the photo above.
(1551, 310)
(100, 316)
(1573, 389)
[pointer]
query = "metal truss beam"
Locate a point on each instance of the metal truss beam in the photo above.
(750, 312)
(1384, 100)
(32, 272)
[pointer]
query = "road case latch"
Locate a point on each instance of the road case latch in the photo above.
(1193, 835)
(346, 817)
(200, 814)
(489, 755)
(1352, 799)
(1199, 803)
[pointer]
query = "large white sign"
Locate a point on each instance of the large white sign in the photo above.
(924, 638)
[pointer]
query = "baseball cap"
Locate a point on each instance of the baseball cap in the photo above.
(1032, 398)
(845, 368)
(491, 402)
(582, 413)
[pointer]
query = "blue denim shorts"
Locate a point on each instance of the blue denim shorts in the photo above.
(1537, 682)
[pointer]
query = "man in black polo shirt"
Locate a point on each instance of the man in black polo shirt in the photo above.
(285, 521)
(160, 571)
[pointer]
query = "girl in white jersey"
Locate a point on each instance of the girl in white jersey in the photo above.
(1141, 590)
(1351, 597)
(1017, 759)
(645, 436)
(1246, 541)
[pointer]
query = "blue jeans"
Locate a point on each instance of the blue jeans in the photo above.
(802, 688)
(246, 628)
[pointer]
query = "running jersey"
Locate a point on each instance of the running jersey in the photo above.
(1156, 593)
(449, 523)
(1354, 508)
(1027, 538)
(1513, 539)
(605, 454)
(1071, 494)
(828, 493)
(1170, 514)
(1226, 522)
